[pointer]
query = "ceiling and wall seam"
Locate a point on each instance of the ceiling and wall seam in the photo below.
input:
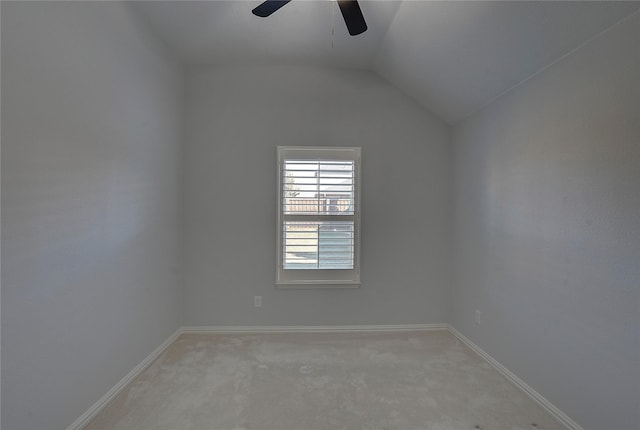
(375, 58)
(556, 61)
(453, 58)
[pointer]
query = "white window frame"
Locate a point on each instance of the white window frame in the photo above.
(316, 278)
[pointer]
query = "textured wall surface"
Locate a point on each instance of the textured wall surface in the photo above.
(547, 231)
(235, 117)
(90, 205)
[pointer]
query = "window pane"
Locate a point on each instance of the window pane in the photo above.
(300, 242)
(318, 187)
(336, 241)
(318, 245)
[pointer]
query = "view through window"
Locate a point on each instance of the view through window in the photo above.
(318, 213)
(323, 193)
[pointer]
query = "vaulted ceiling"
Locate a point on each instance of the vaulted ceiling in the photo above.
(454, 57)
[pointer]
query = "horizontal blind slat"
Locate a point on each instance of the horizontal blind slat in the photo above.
(318, 244)
(318, 213)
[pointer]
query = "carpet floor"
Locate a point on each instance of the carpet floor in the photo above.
(318, 381)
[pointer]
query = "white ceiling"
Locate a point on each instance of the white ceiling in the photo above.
(452, 56)
(224, 32)
(455, 57)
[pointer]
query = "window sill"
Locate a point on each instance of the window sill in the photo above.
(298, 285)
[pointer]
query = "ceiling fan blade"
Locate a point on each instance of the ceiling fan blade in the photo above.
(352, 16)
(268, 7)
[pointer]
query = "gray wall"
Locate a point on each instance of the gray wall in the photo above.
(547, 222)
(545, 202)
(235, 117)
(90, 205)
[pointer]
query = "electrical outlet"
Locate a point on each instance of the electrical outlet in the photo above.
(478, 316)
(257, 301)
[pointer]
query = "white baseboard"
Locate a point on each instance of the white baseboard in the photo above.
(95, 409)
(314, 329)
(560, 416)
(533, 394)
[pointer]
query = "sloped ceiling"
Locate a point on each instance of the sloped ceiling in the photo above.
(226, 32)
(454, 57)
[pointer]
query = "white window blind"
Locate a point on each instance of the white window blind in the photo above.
(318, 216)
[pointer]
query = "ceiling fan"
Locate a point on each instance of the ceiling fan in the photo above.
(350, 12)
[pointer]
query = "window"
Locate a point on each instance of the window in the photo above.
(318, 216)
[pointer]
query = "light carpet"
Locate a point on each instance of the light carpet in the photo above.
(318, 381)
